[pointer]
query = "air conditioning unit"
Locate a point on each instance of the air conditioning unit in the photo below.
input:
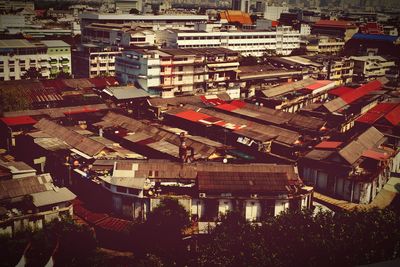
(202, 194)
(254, 196)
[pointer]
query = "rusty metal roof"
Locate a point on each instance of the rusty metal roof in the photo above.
(245, 182)
(25, 186)
(72, 138)
(158, 138)
(241, 125)
(365, 141)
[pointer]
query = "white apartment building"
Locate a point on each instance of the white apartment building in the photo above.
(160, 22)
(371, 67)
(324, 45)
(92, 61)
(19, 55)
(274, 12)
(139, 67)
(125, 6)
(125, 35)
(170, 72)
(254, 43)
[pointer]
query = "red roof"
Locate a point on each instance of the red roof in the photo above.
(335, 24)
(21, 120)
(394, 116)
(376, 113)
(212, 101)
(361, 91)
(375, 155)
(227, 107)
(192, 115)
(80, 110)
(328, 144)
(114, 224)
(340, 91)
(318, 84)
(238, 103)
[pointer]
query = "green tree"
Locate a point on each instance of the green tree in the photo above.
(161, 234)
(63, 75)
(32, 73)
(12, 99)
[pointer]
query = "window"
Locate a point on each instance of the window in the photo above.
(180, 68)
(133, 191)
(162, 69)
(180, 77)
(121, 189)
(12, 69)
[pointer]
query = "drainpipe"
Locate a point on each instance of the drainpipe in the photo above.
(352, 191)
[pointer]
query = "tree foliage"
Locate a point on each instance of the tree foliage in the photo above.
(161, 234)
(32, 73)
(12, 99)
(72, 245)
(302, 239)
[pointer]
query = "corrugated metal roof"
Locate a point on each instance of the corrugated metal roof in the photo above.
(377, 112)
(287, 87)
(72, 138)
(158, 138)
(340, 90)
(353, 95)
(328, 144)
(234, 124)
(126, 92)
(365, 141)
(25, 186)
(51, 197)
(394, 116)
(245, 182)
(375, 37)
(21, 120)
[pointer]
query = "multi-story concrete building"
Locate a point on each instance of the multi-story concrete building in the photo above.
(160, 22)
(125, 35)
(125, 6)
(206, 190)
(91, 60)
(324, 45)
(19, 55)
(254, 43)
(273, 12)
(169, 72)
(371, 67)
(30, 202)
(336, 28)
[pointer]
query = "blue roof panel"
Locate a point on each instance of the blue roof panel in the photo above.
(375, 37)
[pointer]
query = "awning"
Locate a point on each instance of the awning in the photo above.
(81, 153)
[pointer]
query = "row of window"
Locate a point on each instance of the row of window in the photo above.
(227, 37)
